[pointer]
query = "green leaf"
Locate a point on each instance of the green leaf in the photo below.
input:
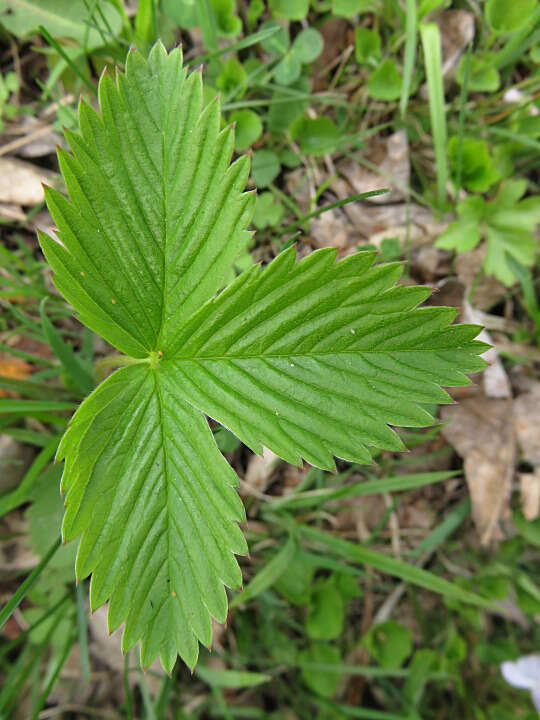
(156, 510)
(227, 23)
(530, 530)
(278, 43)
(294, 583)
(260, 357)
(385, 82)
(327, 613)
(248, 128)
(130, 267)
(390, 643)
(308, 45)
(313, 358)
(292, 9)
(318, 678)
(317, 136)
(63, 19)
(478, 168)
(268, 212)
(71, 363)
(367, 44)
(45, 516)
(231, 678)
(483, 76)
(269, 574)
(506, 17)
(183, 12)
(265, 167)
(232, 77)
(145, 22)
(348, 8)
(288, 70)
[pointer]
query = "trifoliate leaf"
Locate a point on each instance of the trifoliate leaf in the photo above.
(313, 358)
(507, 223)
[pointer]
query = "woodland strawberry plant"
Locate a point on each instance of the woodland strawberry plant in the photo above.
(313, 358)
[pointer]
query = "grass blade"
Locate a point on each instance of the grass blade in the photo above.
(231, 678)
(29, 407)
(21, 591)
(411, 25)
(64, 352)
(461, 119)
(386, 564)
(83, 633)
(431, 43)
(20, 494)
(331, 206)
(269, 574)
(371, 487)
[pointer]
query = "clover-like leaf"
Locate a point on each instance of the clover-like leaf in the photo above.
(313, 358)
(507, 223)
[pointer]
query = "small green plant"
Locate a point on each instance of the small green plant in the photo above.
(305, 48)
(311, 359)
(8, 85)
(507, 224)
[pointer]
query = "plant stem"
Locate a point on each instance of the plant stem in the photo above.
(114, 361)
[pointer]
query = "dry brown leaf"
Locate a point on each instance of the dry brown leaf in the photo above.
(39, 139)
(12, 213)
(375, 222)
(527, 423)
(13, 367)
(487, 289)
(15, 459)
(16, 554)
(529, 485)
(494, 378)
(391, 156)
(482, 432)
(107, 647)
(259, 471)
(20, 182)
(457, 31)
(332, 229)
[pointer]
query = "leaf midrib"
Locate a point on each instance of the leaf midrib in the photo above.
(263, 356)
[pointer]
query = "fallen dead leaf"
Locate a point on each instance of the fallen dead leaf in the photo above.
(13, 367)
(107, 647)
(259, 471)
(334, 33)
(487, 289)
(20, 182)
(457, 31)
(15, 459)
(16, 554)
(529, 485)
(332, 229)
(494, 378)
(391, 156)
(414, 226)
(482, 432)
(527, 423)
(36, 139)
